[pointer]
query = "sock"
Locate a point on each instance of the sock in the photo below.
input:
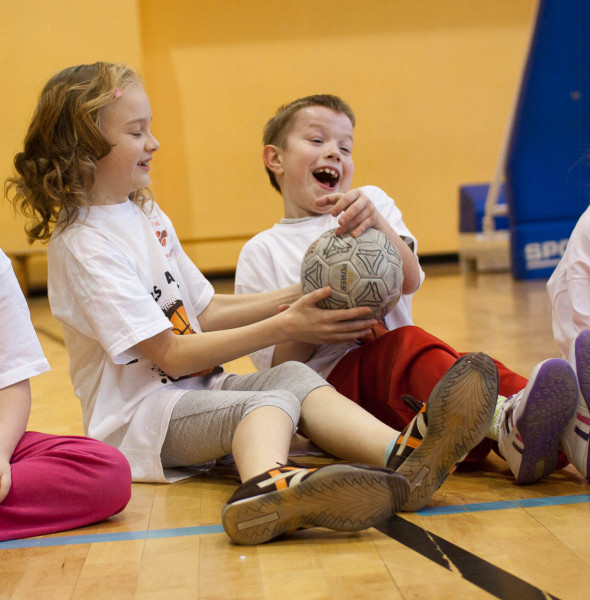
(494, 431)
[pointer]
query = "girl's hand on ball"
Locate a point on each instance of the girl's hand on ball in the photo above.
(308, 323)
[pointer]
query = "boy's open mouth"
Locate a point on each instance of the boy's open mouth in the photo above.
(326, 176)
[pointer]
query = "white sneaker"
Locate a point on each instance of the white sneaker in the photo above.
(575, 438)
(534, 418)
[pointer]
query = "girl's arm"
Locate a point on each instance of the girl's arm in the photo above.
(15, 405)
(180, 355)
(226, 311)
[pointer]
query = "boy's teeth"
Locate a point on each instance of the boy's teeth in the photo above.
(327, 176)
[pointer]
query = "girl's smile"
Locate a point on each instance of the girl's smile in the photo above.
(126, 168)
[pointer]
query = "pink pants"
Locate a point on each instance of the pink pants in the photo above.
(410, 361)
(61, 482)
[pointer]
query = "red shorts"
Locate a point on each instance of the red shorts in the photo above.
(407, 360)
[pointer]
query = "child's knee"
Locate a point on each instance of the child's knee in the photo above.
(281, 399)
(108, 474)
(291, 405)
(300, 379)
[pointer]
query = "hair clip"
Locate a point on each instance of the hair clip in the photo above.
(117, 93)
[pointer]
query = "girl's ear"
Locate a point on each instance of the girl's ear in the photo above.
(273, 159)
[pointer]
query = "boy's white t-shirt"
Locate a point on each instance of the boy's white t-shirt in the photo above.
(21, 356)
(272, 260)
(569, 287)
(118, 276)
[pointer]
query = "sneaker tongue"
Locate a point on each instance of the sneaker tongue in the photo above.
(422, 422)
(412, 402)
(408, 440)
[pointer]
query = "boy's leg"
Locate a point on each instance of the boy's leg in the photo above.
(457, 416)
(62, 482)
(407, 360)
(510, 382)
(411, 361)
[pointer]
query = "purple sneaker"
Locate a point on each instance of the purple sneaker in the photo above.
(534, 418)
(575, 438)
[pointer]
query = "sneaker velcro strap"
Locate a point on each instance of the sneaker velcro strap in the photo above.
(283, 478)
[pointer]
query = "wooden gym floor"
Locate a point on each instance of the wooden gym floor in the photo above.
(482, 536)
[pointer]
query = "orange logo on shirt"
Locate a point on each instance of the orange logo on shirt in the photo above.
(181, 326)
(162, 235)
(179, 320)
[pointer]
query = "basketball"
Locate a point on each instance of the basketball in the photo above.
(363, 271)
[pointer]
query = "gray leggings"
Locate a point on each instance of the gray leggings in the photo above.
(203, 422)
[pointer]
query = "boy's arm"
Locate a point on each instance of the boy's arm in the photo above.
(15, 405)
(358, 213)
(180, 355)
(299, 351)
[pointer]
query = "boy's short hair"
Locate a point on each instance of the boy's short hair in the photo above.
(277, 128)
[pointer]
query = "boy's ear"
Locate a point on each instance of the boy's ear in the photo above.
(272, 157)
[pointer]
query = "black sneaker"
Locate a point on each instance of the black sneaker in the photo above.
(341, 496)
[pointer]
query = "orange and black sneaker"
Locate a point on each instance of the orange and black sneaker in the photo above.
(455, 419)
(411, 436)
(340, 496)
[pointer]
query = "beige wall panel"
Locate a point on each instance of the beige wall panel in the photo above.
(431, 83)
(37, 39)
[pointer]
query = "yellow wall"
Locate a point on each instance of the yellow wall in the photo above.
(431, 83)
(37, 39)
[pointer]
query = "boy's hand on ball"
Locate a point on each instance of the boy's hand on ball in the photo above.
(357, 212)
(308, 323)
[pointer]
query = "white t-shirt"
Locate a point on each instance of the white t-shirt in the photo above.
(272, 260)
(118, 276)
(21, 356)
(569, 287)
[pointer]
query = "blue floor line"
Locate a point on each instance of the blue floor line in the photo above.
(504, 505)
(94, 538)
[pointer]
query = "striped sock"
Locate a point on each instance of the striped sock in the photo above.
(389, 449)
(494, 431)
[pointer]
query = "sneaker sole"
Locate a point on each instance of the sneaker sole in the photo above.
(580, 424)
(340, 497)
(460, 413)
(548, 410)
(583, 365)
